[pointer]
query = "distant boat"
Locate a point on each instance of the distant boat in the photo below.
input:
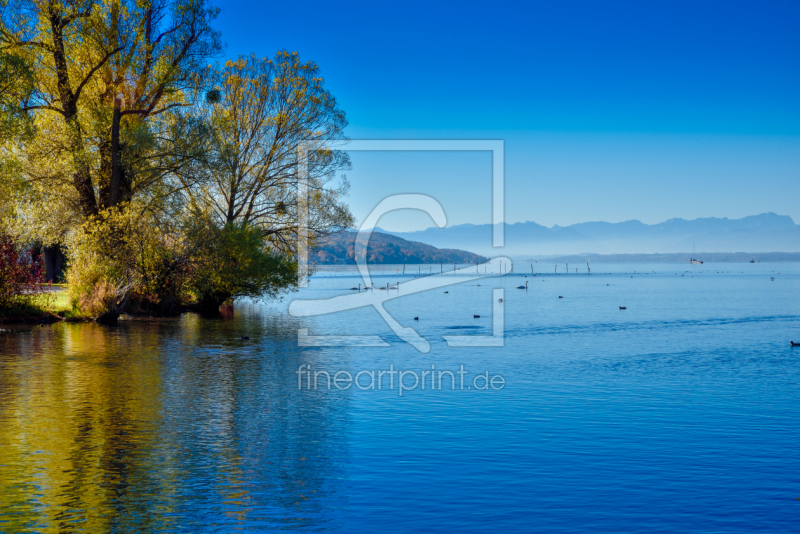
(692, 260)
(752, 261)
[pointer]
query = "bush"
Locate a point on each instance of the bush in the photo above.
(99, 275)
(234, 261)
(130, 260)
(160, 262)
(21, 276)
(97, 287)
(160, 290)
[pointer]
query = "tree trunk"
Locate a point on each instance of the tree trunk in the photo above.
(82, 178)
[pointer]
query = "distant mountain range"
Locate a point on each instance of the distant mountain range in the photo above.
(387, 249)
(767, 232)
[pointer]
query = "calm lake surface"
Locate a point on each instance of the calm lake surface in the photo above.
(679, 414)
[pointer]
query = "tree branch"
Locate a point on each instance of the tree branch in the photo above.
(148, 113)
(51, 108)
(95, 69)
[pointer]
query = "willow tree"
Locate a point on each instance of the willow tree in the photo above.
(105, 72)
(261, 114)
(109, 78)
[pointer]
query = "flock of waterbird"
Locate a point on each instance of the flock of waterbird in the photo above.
(388, 287)
(372, 286)
(524, 287)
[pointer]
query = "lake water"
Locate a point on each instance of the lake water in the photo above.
(679, 414)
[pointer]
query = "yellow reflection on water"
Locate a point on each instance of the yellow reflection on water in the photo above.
(76, 429)
(150, 426)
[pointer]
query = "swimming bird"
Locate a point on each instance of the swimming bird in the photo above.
(245, 338)
(793, 344)
(523, 287)
(623, 308)
(416, 318)
(356, 288)
(560, 297)
(499, 300)
(447, 292)
(476, 316)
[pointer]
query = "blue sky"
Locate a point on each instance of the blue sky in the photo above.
(609, 110)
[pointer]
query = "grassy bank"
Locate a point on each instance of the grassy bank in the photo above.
(48, 307)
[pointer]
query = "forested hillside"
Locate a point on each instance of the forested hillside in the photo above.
(386, 249)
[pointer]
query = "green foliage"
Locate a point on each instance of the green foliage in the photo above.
(16, 80)
(16, 84)
(162, 276)
(233, 261)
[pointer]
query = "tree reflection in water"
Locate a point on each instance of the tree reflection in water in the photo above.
(157, 425)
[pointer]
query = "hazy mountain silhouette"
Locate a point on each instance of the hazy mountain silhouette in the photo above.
(767, 232)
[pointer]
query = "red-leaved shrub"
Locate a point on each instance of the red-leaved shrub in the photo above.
(21, 276)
